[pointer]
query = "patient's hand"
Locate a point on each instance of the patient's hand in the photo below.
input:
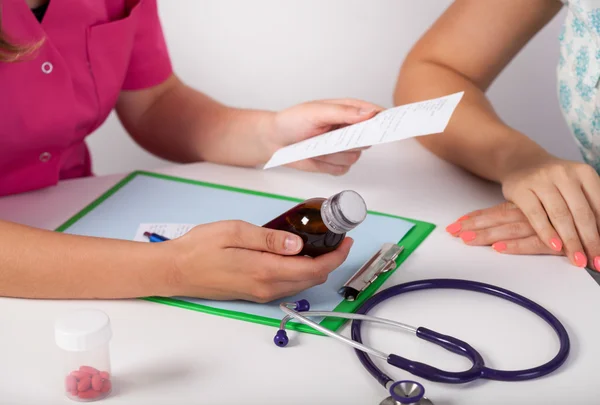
(504, 227)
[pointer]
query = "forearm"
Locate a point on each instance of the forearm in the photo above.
(43, 264)
(475, 139)
(184, 125)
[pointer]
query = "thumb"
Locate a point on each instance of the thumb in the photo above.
(248, 236)
(325, 114)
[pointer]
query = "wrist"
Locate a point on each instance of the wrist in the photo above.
(267, 133)
(519, 153)
(162, 273)
(257, 127)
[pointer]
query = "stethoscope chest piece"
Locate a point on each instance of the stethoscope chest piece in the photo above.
(392, 401)
(405, 393)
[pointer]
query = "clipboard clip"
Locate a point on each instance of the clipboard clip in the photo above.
(381, 262)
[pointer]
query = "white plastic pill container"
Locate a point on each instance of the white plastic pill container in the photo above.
(84, 339)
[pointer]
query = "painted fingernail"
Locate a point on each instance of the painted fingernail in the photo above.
(556, 244)
(499, 246)
(580, 259)
(291, 243)
(468, 236)
(463, 218)
(453, 228)
(597, 263)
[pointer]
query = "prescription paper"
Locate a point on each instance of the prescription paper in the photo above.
(170, 231)
(407, 121)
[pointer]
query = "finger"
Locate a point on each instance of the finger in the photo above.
(362, 148)
(354, 103)
(584, 219)
(502, 207)
(326, 114)
(340, 159)
(537, 217)
(276, 291)
(488, 236)
(267, 292)
(590, 183)
(487, 219)
(457, 226)
(275, 269)
(243, 235)
(312, 165)
(531, 245)
(561, 218)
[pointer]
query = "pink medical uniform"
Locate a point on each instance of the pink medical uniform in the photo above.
(50, 102)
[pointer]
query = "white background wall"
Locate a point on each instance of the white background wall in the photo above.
(273, 54)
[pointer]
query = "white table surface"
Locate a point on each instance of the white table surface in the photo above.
(162, 354)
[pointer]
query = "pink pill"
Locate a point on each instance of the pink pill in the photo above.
(106, 386)
(80, 375)
(84, 384)
(74, 392)
(104, 375)
(88, 394)
(89, 370)
(71, 383)
(97, 382)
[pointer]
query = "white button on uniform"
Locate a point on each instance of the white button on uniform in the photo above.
(47, 67)
(44, 157)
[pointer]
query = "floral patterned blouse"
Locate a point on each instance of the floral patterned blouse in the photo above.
(578, 73)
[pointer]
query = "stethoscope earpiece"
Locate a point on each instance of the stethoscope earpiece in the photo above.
(302, 306)
(281, 339)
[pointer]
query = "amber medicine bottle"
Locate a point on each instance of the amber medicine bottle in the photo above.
(322, 223)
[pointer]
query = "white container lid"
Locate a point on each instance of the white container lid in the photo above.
(82, 330)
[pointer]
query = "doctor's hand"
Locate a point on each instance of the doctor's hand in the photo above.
(307, 120)
(231, 260)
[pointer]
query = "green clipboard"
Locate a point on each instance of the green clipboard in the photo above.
(415, 236)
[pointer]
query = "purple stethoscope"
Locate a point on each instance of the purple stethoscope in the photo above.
(411, 392)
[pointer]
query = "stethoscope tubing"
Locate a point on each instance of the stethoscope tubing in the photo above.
(482, 371)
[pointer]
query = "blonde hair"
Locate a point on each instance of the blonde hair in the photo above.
(11, 51)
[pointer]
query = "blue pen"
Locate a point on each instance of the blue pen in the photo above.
(154, 237)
